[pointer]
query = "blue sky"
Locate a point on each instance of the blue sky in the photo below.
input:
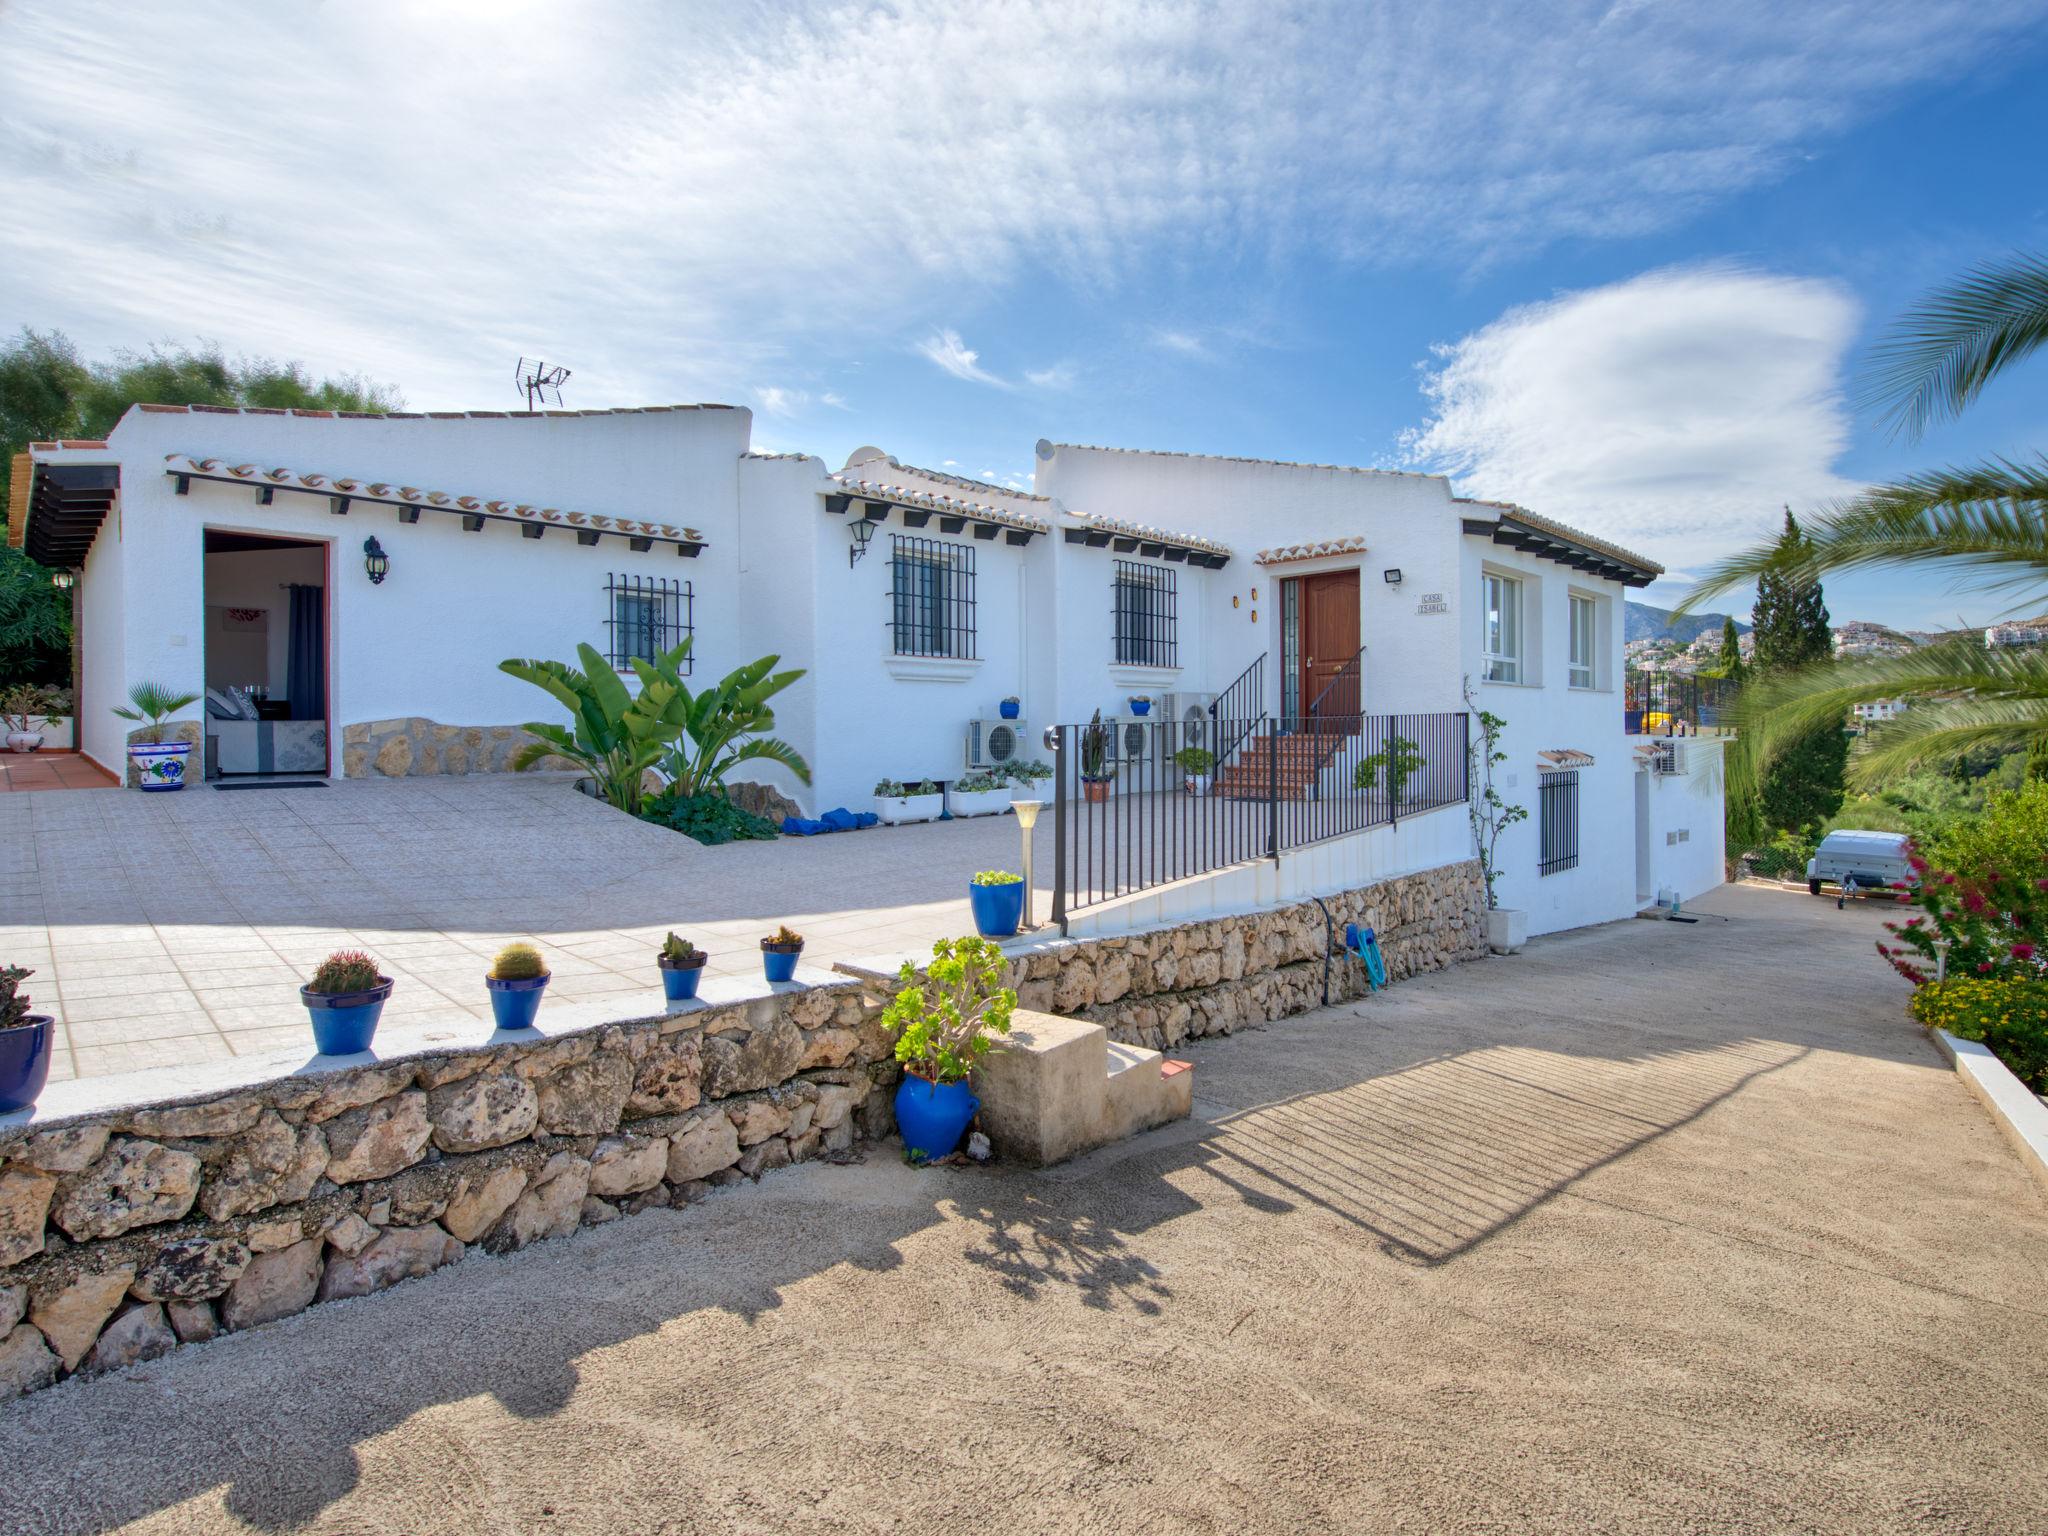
(1615, 261)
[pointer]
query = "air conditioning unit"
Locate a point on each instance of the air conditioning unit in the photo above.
(992, 743)
(1668, 757)
(1194, 725)
(1131, 738)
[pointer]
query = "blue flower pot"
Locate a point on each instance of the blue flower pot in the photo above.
(24, 1062)
(933, 1116)
(1009, 710)
(345, 1022)
(998, 909)
(679, 982)
(1140, 706)
(780, 964)
(514, 1003)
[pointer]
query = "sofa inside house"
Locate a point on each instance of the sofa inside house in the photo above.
(244, 735)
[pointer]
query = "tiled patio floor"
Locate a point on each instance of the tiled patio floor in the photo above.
(51, 770)
(176, 928)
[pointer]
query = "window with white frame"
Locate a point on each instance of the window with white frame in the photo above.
(1585, 672)
(1501, 642)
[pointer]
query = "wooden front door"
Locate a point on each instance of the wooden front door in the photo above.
(1329, 644)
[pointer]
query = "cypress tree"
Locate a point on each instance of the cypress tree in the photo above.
(1730, 664)
(1804, 784)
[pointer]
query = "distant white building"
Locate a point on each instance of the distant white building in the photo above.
(354, 579)
(2028, 633)
(1879, 710)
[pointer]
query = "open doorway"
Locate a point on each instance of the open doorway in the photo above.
(266, 656)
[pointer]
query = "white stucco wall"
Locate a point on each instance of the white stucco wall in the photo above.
(427, 641)
(103, 679)
(1681, 822)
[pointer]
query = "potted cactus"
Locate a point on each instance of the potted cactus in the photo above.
(24, 1043)
(1097, 771)
(1011, 707)
(158, 764)
(517, 978)
(779, 951)
(997, 897)
(345, 999)
(682, 967)
(1195, 764)
(942, 1026)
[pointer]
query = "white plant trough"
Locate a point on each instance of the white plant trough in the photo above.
(980, 802)
(895, 810)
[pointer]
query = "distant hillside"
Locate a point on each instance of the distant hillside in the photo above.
(1647, 623)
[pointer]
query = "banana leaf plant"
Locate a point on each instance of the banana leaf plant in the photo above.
(722, 725)
(612, 735)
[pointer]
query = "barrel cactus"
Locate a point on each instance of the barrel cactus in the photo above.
(518, 962)
(346, 970)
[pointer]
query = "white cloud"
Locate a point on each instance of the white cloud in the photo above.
(1183, 342)
(946, 349)
(1059, 376)
(1674, 412)
(777, 401)
(833, 398)
(675, 204)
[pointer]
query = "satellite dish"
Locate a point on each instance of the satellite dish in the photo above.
(537, 381)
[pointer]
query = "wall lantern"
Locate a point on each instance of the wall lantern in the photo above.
(1391, 577)
(62, 580)
(375, 561)
(863, 532)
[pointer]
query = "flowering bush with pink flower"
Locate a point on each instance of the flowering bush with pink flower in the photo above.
(1992, 919)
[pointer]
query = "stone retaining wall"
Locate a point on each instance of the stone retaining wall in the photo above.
(397, 749)
(126, 1233)
(1208, 977)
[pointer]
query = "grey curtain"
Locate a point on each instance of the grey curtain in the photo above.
(306, 659)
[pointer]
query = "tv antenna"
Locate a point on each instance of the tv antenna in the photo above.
(537, 381)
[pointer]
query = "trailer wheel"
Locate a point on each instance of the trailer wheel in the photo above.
(1813, 887)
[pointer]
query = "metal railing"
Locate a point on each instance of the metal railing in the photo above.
(1143, 820)
(1243, 701)
(1659, 703)
(1343, 696)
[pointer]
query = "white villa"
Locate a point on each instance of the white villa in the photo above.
(362, 575)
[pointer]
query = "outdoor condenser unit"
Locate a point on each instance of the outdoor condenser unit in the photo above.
(992, 743)
(1190, 712)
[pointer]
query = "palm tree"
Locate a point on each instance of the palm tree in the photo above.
(1986, 523)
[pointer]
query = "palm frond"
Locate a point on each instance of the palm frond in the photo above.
(1943, 731)
(1938, 356)
(1988, 520)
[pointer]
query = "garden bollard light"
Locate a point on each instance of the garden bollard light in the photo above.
(1027, 817)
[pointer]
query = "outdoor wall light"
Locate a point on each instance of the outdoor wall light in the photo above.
(863, 531)
(375, 561)
(1391, 577)
(62, 580)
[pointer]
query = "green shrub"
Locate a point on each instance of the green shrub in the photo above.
(889, 789)
(1399, 761)
(1024, 774)
(996, 877)
(710, 818)
(346, 970)
(518, 962)
(2009, 1016)
(941, 1024)
(13, 1001)
(2009, 835)
(1195, 760)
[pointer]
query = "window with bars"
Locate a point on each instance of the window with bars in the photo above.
(1147, 608)
(648, 616)
(931, 596)
(1557, 799)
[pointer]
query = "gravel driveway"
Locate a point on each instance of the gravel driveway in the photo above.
(1653, 1228)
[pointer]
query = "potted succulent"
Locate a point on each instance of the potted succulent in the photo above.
(897, 803)
(997, 897)
(158, 764)
(1195, 763)
(1395, 764)
(942, 1026)
(1097, 771)
(778, 953)
(978, 794)
(345, 999)
(1011, 707)
(1023, 773)
(682, 967)
(20, 708)
(24, 1043)
(517, 977)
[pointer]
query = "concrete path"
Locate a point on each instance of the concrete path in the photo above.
(173, 929)
(1653, 1228)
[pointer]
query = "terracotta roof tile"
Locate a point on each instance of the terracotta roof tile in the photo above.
(1353, 545)
(956, 506)
(1150, 534)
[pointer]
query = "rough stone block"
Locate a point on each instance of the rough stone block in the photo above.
(25, 1196)
(67, 1151)
(484, 1112)
(192, 1269)
(764, 1058)
(72, 1314)
(627, 1165)
(551, 1209)
(377, 1140)
(668, 1077)
(713, 1143)
(755, 1120)
(399, 1254)
(140, 1333)
(585, 1099)
(135, 1184)
(272, 1163)
(764, 1157)
(274, 1285)
(480, 1199)
(26, 1363)
(194, 1322)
